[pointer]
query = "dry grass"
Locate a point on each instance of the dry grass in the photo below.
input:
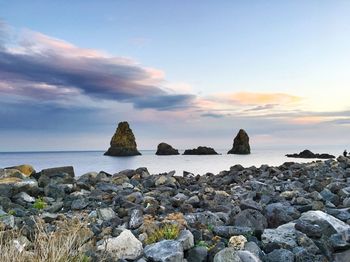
(66, 244)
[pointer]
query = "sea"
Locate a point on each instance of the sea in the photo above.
(88, 161)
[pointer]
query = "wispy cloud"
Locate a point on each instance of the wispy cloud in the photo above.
(39, 66)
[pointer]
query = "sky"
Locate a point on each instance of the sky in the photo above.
(188, 73)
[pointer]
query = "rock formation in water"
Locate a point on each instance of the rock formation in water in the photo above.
(201, 150)
(240, 144)
(165, 149)
(123, 142)
(308, 154)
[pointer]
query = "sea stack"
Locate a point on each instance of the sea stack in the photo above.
(201, 150)
(240, 144)
(165, 149)
(123, 142)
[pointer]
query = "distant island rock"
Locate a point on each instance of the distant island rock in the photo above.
(308, 154)
(201, 150)
(165, 149)
(240, 144)
(123, 142)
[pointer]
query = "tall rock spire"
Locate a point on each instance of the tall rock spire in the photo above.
(123, 142)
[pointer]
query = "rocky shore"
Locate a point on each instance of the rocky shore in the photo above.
(292, 212)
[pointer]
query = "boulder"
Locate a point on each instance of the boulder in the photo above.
(123, 142)
(165, 251)
(308, 154)
(56, 175)
(251, 218)
(26, 170)
(201, 150)
(320, 218)
(227, 254)
(197, 254)
(240, 144)
(165, 149)
(186, 239)
(125, 246)
(279, 255)
(280, 213)
(282, 237)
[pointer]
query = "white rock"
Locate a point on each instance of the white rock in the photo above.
(125, 246)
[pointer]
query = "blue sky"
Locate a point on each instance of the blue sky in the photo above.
(175, 69)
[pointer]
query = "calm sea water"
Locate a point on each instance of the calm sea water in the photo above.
(86, 161)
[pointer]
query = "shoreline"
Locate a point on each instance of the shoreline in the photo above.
(261, 212)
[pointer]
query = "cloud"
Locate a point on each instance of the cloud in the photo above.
(212, 115)
(253, 98)
(42, 67)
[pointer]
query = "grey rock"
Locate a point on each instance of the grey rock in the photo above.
(279, 255)
(250, 204)
(280, 213)
(197, 254)
(106, 213)
(282, 237)
(23, 197)
(186, 239)
(136, 219)
(57, 175)
(204, 218)
(247, 256)
(227, 255)
(319, 218)
(229, 231)
(49, 217)
(165, 251)
(251, 218)
(79, 204)
(327, 195)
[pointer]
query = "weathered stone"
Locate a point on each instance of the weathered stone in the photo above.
(237, 242)
(240, 144)
(228, 231)
(226, 255)
(186, 239)
(57, 175)
(26, 170)
(279, 255)
(280, 213)
(197, 254)
(125, 246)
(123, 142)
(251, 218)
(319, 218)
(282, 237)
(106, 213)
(136, 219)
(204, 218)
(166, 149)
(79, 203)
(165, 251)
(247, 256)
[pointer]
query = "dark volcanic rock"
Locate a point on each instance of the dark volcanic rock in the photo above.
(165, 149)
(240, 144)
(123, 142)
(201, 150)
(308, 154)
